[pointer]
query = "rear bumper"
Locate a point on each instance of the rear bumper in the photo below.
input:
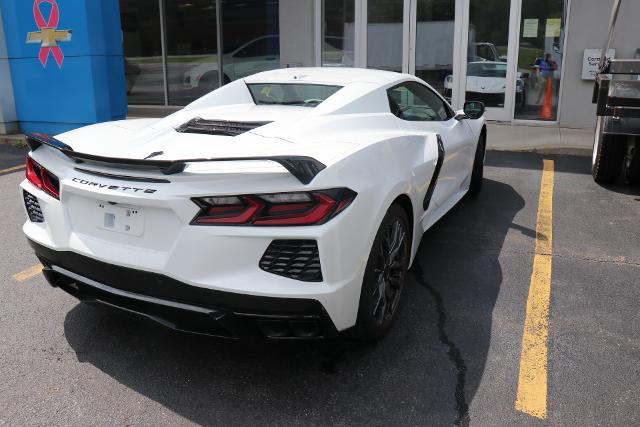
(181, 306)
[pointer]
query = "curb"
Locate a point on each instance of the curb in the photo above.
(17, 140)
(566, 151)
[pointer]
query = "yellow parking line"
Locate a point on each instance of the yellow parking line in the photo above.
(12, 169)
(532, 381)
(28, 273)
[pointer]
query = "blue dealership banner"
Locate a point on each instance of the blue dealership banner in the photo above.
(67, 63)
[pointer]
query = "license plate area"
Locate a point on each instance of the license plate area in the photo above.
(123, 219)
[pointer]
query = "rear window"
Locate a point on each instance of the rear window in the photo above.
(298, 94)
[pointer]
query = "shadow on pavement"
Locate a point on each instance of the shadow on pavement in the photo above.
(426, 370)
(526, 160)
(11, 156)
(562, 163)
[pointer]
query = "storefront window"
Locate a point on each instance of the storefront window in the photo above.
(434, 43)
(250, 44)
(142, 51)
(487, 51)
(539, 59)
(384, 34)
(251, 37)
(338, 33)
(192, 61)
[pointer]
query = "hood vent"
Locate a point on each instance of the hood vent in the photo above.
(218, 127)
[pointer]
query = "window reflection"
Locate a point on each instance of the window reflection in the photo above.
(250, 44)
(192, 61)
(487, 51)
(384, 34)
(142, 51)
(338, 32)
(539, 59)
(434, 43)
(250, 33)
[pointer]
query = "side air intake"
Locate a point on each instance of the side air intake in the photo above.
(218, 127)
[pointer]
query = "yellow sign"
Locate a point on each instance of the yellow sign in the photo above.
(553, 27)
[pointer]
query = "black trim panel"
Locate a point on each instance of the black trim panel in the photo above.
(181, 306)
(124, 177)
(436, 172)
(303, 168)
(218, 127)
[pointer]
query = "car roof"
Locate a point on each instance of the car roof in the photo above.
(339, 76)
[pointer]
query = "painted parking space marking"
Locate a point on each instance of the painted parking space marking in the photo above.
(28, 273)
(12, 169)
(532, 380)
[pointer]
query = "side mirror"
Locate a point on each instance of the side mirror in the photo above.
(473, 109)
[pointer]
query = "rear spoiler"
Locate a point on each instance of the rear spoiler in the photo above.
(303, 168)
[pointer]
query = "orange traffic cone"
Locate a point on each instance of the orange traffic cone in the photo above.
(546, 112)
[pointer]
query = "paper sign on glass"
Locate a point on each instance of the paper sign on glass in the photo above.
(530, 28)
(553, 27)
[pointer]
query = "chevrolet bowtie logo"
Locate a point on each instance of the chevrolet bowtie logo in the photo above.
(48, 35)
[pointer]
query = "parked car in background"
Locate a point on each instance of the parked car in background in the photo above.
(486, 82)
(259, 54)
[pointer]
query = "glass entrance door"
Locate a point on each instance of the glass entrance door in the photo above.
(363, 33)
(465, 49)
(490, 56)
(433, 40)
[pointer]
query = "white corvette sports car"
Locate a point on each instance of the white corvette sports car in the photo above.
(288, 204)
(486, 82)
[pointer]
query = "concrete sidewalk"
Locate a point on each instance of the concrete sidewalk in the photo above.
(541, 138)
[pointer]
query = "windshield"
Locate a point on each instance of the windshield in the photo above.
(487, 69)
(299, 94)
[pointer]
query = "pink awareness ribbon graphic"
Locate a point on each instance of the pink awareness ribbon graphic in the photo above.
(54, 19)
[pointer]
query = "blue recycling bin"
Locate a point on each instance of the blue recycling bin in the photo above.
(67, 63)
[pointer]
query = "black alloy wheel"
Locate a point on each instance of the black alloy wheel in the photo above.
(385, 276)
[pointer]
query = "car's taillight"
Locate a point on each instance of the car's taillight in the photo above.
(284, 209)
(42, 178)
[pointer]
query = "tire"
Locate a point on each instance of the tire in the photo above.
(608, 153)
(633, 172)
(385, 276)
(477, 173)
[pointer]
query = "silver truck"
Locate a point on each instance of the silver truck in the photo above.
(616, 93)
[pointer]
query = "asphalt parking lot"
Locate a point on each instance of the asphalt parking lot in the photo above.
(453, 355)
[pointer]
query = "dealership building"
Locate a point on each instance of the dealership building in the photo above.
(68, 63)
